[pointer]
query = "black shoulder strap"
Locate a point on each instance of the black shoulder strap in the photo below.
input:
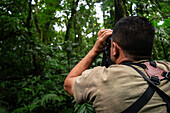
(141, 101)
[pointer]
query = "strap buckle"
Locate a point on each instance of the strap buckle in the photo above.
(155, 80)
(167, 75)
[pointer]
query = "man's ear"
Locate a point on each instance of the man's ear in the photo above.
(115, 49)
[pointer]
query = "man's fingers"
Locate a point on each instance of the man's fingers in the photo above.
(102, 36)
(102, 31)
(105, 34)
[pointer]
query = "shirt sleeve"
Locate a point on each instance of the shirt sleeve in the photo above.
(86, 86)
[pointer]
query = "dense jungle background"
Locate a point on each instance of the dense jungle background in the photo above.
(42, 40)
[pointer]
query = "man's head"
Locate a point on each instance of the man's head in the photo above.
(134, 35)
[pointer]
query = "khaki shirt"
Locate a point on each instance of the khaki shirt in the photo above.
(114, 89)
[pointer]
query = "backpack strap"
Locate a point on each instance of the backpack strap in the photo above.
(140, 102)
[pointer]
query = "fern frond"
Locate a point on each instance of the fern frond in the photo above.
(84, 108)
(51, 98)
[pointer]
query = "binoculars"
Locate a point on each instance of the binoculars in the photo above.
(106, 60)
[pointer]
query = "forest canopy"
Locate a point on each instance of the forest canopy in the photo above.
(42, 40)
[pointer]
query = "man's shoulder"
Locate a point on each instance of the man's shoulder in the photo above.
(114, 67)
(99, 72)
(164, 65)
(162, 62)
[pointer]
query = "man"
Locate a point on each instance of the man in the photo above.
(114, 89)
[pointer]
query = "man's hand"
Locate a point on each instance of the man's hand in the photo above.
(87, 60)
(102, 36)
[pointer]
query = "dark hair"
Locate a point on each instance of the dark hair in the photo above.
(135, 36)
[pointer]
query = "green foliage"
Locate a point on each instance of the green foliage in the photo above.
(3, 110)
(85, 108)
(35, 59)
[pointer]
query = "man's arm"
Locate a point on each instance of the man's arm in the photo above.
(87, 60)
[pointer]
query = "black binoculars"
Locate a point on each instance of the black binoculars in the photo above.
(106, 60)
(108, 40)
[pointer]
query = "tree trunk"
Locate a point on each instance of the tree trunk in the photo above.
(119, 10)
(73, 12)
(69, 26)
(131, 11)
(29, 18)
(36, 19)
(125, 8)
